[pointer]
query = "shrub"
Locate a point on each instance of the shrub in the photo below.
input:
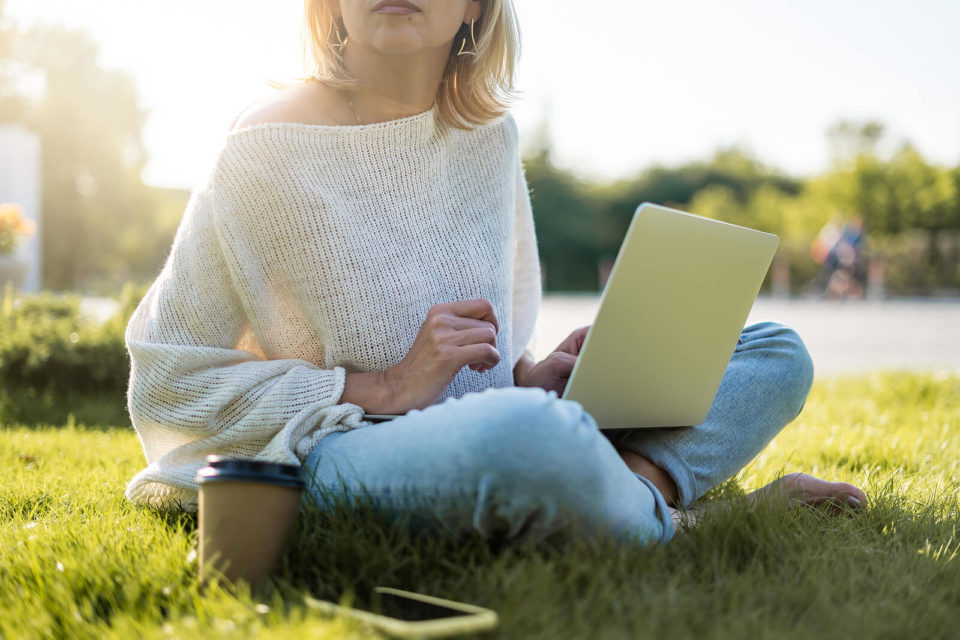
(49, 349)
(909, 267)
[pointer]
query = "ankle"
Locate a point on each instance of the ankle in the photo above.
(663, 482)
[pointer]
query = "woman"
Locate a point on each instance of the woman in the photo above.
(365, 243)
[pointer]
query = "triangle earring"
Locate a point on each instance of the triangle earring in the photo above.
(464, 43)
(340, 42)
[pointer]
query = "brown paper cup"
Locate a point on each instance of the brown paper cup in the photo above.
(247, 510)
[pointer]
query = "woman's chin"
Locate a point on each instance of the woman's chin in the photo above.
(398, 43)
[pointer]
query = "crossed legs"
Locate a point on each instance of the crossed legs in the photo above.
(764, 388)
(506, 462)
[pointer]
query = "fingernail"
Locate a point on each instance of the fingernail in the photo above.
(853, 502)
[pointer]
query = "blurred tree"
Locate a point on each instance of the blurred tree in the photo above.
(850, 139)
(568, 224)
(90, 125)
(895, 194)
(579, 224)
(927, 197)
(100, 223)
(732, 172)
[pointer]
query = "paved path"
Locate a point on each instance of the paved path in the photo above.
(842, 337)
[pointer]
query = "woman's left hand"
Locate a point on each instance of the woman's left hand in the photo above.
(553, 372)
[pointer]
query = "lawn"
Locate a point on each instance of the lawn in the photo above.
(77, 561)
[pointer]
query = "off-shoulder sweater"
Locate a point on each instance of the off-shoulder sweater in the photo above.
(310, 251)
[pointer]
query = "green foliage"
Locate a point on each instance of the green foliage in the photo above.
(19, 405)
(892, 195)
(578, 225)
(45, 343)
(734, 169)
(78, 561)
(49, 352)
(571, 233)
(908, 267)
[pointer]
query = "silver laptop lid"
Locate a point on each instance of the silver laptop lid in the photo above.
(669, 319)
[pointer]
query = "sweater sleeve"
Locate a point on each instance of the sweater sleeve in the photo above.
(195, 391)
(526, 269)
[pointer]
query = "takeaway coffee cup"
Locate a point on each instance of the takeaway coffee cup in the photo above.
(247, 509)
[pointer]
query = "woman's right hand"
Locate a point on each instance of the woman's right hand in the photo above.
(453, 335)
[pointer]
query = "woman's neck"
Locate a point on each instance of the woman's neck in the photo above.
(397, 85)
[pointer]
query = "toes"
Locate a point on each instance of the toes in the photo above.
(796, 488)
(813, 490)
(852, 496)
(848, 491)
(845, 492)
(836, 493)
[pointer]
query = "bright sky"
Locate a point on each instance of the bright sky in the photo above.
(626, 84)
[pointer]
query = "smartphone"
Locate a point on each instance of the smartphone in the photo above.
(405, 614)
(380, 417)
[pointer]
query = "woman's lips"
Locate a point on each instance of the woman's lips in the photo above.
(395, 9)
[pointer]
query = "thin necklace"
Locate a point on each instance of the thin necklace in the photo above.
(353, 108)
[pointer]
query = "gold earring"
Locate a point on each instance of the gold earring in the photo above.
(464, 43)
(341, 43)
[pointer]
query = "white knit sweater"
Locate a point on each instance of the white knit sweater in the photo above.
(311, 251)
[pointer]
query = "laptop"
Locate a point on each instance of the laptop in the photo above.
(669, 320)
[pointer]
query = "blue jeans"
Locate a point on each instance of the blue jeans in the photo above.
(512, 461)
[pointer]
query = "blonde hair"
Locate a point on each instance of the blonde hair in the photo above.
(474, 90)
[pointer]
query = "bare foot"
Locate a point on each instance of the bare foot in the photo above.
(663, 482)
(791, 489)
(800, 487)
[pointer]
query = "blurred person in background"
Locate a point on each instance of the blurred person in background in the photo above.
(840, 252)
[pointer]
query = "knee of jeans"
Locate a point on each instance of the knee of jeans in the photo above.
(525, 417)
(529, 433)
(796, 371)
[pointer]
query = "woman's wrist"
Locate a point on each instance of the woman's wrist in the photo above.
(370, 390)
(521, 369)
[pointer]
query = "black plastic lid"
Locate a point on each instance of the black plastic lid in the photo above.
(220, 469)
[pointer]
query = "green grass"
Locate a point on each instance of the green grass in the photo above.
(77, 561)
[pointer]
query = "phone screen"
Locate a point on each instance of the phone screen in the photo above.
(411, 610)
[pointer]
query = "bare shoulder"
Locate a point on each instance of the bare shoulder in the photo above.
(301, 103)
